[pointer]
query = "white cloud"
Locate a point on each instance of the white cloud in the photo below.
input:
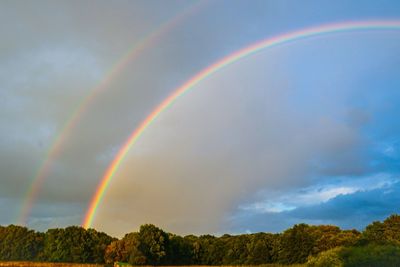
(264, 207)
(320, 193)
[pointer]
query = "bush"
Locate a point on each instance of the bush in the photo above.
(371, 256)
(329, 258)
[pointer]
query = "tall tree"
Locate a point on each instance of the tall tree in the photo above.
(153, 244)
(75, 244)
(20, 243)
(296, 244)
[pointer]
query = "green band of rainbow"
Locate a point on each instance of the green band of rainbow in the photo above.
(55, 148)
(249, 50)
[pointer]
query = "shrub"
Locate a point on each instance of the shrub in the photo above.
(329, 258)
(371, 256)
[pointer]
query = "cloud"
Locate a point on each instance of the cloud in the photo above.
(224, 143)
(319, 193)
(45, 75)
(355, 210)
(348, 210)
(278, 121)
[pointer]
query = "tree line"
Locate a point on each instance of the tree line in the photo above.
(72, 244)
(323, 245)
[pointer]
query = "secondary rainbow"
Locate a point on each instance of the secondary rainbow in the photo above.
(207, 72)
(81, 108)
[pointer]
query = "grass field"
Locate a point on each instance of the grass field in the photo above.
(50, 264)
(45, 264)
(262, 265)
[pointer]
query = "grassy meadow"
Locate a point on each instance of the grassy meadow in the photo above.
(58, 264)
(45, 264)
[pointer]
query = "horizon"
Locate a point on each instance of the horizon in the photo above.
(207, 234)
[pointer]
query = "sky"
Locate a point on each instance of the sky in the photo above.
(306, 131)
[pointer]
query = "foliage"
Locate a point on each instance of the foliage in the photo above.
(147, 247)
(329, 258)
(296, 244)
(75, 244)
(180, 251)
(153, 244)
(386, 232)
(323, 245)
(19, 243)
(124, 250)
(371, 256)
(327, 237)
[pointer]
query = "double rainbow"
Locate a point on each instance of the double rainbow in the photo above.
(151, 39)
(210, 70)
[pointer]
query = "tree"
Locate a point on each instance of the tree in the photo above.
(371, 255)
(379, 245)
(296, 244)
(260, 249)
(75, 244)
(392, 229)
(153, 243)
(195, 247)
(180, 251)
(387, 232)
(329, 258)
(210, 252)
(125, 250)
(20, 243)
(329, 236)
(374, 233)
(236, 250)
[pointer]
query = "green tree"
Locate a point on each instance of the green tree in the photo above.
(212, 250)
(260, 249)
(196, 249)
(386, 232)
(392, 229)
(236, 250)
(20, 243)
(371, 255)
(329, 258)
(75, 244)
(328, 236)
(374, 233)
(297, 244)
(180, 251)
(153, 244)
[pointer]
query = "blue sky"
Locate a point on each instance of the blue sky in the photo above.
(303, 132)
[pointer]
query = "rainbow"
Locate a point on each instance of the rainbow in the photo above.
(210, 70)
(58, 143)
